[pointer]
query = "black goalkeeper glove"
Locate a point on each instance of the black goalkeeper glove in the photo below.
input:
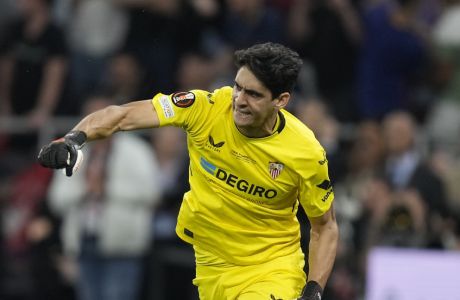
(312, 291)
(64, 152)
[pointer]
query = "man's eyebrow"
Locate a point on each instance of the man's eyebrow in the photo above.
(249, 91)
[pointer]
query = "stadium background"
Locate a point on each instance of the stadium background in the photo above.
(379, 87)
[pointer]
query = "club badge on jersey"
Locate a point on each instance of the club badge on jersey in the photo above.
(275, 169)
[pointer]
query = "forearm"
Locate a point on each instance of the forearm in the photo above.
(322, 252)
(66, 152)
(131, 116)
(102, 123)
(52, 85)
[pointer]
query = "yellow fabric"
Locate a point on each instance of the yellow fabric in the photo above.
(235, 208)
(281, 278)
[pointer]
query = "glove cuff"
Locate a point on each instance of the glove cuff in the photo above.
(76, 137)
(312, 291)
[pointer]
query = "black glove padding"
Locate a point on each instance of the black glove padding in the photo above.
(54, 155)
(312, 291)
(62, 153)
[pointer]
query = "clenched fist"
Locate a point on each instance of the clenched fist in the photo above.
(64, 152)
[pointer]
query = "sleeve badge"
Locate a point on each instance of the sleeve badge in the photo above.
(183, 99)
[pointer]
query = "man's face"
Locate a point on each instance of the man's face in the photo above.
(254, 110)
(399, 133)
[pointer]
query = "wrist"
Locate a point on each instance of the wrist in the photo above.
(76, 137)
(312, 291)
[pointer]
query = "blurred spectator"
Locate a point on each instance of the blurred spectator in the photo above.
(125, 79)
(107, 210)
(444, 122)
(447, 165)
(32, 68)
(96, 30)
(49, 279)
(172, 160)
(160, 32)
(248, 22)
(407, 205)
(363, 162)
(392, 54)
(405, 166)
(21, 198)
(447, 43)
(429, 11)
(196, 71)
(168, 269)
(327, 34)
(314, 113)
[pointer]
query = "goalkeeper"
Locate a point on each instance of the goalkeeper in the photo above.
(252, 164)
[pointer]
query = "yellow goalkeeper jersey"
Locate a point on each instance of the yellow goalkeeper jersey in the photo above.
(244, 191)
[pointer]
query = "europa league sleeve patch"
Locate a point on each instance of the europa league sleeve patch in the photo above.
(183, 99)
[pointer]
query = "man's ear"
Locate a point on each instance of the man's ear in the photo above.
(282, 100)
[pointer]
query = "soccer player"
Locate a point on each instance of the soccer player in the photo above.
(251, 164)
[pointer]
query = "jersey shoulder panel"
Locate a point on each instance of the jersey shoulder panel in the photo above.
(304, 143)
(190, 110)
(310, 163)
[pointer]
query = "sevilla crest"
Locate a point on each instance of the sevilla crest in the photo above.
(275, 169)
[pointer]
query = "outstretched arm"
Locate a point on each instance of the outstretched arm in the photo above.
(324, 236)
(66, 153)
(131, 116)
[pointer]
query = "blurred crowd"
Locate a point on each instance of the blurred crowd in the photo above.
(380, 88)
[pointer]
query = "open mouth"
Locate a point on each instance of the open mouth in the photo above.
(242, 112)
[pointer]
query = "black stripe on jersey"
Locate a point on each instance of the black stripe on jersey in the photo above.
(325, 185)
(188, 233)
(282, 122)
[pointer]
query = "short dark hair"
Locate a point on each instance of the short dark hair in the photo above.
(275, 65)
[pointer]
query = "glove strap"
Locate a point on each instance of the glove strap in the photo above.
(75, 140)
(76, 137)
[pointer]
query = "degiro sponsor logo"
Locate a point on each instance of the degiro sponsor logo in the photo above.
(236, 182)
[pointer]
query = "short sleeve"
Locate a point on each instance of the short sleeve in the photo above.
(316, 191)
(188, 110)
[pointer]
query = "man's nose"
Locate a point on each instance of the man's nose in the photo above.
(239, 98)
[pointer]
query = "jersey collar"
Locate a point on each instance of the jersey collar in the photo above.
(282, 122)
